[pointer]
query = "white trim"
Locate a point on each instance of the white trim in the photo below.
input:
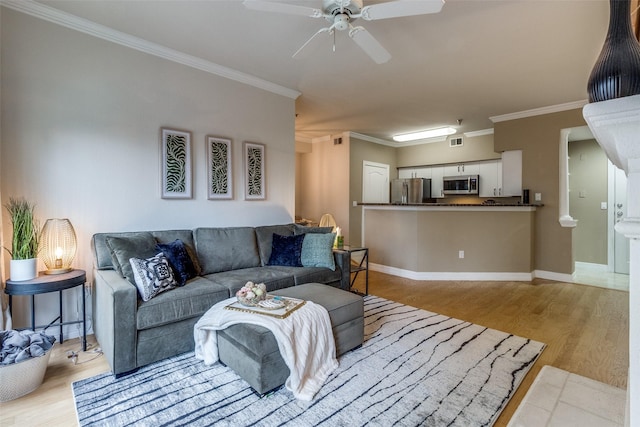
(539, 111)
(436, 275)
(564, 217)
(476, 276)
(611, 218)
(475, 133)
(373, 139)
(82, 25)
(551, 275)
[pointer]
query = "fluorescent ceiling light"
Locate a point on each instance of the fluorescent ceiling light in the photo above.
(429, 133)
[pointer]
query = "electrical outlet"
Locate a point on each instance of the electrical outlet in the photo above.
(460, 254)
(538, 197)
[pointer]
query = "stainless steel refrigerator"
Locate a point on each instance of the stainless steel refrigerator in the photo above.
(410, 191)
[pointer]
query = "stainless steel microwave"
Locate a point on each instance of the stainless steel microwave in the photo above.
(461, 184)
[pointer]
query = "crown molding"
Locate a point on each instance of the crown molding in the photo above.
(540, 111)
(56, 16)
(475, 133)
(372, 139)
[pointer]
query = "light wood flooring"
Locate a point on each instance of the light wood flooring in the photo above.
(585, 328)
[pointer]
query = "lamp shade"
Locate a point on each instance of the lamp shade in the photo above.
(58, 245)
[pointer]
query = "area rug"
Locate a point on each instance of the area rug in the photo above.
(415, 368)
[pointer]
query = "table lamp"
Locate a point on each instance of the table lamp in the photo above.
(58, 245)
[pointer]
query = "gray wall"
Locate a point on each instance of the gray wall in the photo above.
(80, 138)
(587, 189)
(361, 151)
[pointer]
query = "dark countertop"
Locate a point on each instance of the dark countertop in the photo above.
(454, 204)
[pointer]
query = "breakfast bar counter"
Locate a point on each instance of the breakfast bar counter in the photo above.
(451, 241)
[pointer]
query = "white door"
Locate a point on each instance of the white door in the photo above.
(620, 242)
(375, 182)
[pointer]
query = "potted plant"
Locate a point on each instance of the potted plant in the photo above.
(24, 247)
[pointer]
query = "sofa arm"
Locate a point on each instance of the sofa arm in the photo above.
(343, 260)
(115, 307)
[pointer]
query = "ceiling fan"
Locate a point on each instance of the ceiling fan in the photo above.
(341, 14)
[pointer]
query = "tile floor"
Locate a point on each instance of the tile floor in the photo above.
(597, 275)
(559, 398)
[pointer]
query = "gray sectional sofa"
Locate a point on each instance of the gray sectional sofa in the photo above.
(134, 333)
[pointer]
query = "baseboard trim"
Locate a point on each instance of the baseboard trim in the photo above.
(479, 276)
(551, 275)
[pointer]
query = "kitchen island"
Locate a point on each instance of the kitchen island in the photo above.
(450, 241)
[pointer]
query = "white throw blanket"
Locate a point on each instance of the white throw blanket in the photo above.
(305, 340)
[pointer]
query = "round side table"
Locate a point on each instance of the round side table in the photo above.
(46, 283)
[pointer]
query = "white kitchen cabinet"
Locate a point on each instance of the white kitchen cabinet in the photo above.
(512, 173)
(405, 173)
(502, 177)
(423, 172)
(437, 173)
(472, 168)
(490, 178)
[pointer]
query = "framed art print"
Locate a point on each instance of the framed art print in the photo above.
(175, 146)
(219, 177)
(254, 171)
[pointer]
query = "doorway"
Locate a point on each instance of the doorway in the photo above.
(619, 244)
(597, 200)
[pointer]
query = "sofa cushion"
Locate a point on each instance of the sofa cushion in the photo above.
(264, 235)
(342, 306)
(317, 250)
(286, 250)
(304, 229)
(181, 262)
(224, 249)
(152, 276)
(185, 302)
(302, 275)
(138, 245)
(273, 278)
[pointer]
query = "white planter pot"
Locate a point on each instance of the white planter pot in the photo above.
(23, 269)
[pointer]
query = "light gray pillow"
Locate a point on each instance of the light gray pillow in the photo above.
(122, 249)
(317, 250)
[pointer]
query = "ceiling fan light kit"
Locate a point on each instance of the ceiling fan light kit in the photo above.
(424, 134)
(341, 14)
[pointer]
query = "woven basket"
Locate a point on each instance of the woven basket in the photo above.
(18, 379)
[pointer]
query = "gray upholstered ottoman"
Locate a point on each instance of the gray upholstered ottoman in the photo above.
(252, 351)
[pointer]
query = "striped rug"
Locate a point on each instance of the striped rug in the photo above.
(416, 368)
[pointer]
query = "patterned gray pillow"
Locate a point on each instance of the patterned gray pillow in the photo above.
(152, 276)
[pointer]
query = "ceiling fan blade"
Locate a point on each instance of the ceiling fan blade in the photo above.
(398, 8)
(320, 31)
(370, 45)
(290, 9)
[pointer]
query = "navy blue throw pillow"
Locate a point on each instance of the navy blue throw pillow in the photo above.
(179, 259)
(286, 250)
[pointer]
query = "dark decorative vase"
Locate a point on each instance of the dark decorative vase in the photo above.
(616, 73)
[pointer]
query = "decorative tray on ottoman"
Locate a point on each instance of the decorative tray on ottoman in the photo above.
(275, 306)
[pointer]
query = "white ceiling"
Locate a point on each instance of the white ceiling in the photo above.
(473, 60)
